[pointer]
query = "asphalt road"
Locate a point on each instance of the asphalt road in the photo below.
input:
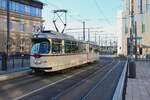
(73, 85)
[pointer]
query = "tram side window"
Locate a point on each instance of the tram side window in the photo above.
(56, 46)
(82, 48)
(74, 47)
(67, 46)
(71, 46)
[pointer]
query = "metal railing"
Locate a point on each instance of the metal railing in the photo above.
(16, 62)
(120, 91)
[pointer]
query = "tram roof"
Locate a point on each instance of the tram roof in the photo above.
(55, 35)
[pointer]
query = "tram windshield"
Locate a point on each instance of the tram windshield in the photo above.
(40, 46)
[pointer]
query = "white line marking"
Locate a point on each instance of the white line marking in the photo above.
(57, 96)
(100, 81)
(34, 91)
(47, 85)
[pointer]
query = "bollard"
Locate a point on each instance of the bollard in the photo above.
(4, 62)
(132, 69)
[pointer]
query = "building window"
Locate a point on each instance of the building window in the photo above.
(21, 27)
(140, 6)
(13, 6)
(21, 8)
(148, 6)
(17, 7)
(10, 5)
(3, 4)
(27, 9)
(32, 11)
(38, 12)
(126, 25)
(143, 23)
(0, 3)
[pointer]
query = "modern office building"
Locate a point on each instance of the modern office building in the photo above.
(25, 18)
(141, 24)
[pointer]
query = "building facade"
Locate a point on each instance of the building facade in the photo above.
(25, 18)
(141, 23)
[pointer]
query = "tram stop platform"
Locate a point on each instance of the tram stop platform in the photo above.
(139, 88)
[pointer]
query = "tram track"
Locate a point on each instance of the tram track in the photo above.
(95, 87)
(14, 88)
(104, 69)
(53, 91)
(33, 75)
(41, 75)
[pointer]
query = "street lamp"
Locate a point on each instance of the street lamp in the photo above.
(5, 55)
(8, 26)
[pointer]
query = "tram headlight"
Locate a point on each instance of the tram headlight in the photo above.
(37, 62)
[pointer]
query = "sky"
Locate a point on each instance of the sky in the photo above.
(95, 13)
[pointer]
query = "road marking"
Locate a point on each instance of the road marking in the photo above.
(57, 96)
(100, 82)
(34, 91)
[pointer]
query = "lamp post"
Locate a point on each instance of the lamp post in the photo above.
(88, 34)
(84, 30)
(131, 29)
(132, 65)
(8, 27)
(5, 54)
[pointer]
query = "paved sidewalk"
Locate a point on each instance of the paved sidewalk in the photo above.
(139, 88)
(13, 75)
(16, 68)
(7, 75)
(19, 69)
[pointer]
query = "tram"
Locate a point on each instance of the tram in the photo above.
(52, 52)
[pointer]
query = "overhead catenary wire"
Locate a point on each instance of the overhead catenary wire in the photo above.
(101, 12)
(70, 15)
(76, 18)
(105, 18)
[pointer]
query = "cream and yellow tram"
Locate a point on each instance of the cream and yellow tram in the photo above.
(53, 52)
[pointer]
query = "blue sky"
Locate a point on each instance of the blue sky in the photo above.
(94, 12)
